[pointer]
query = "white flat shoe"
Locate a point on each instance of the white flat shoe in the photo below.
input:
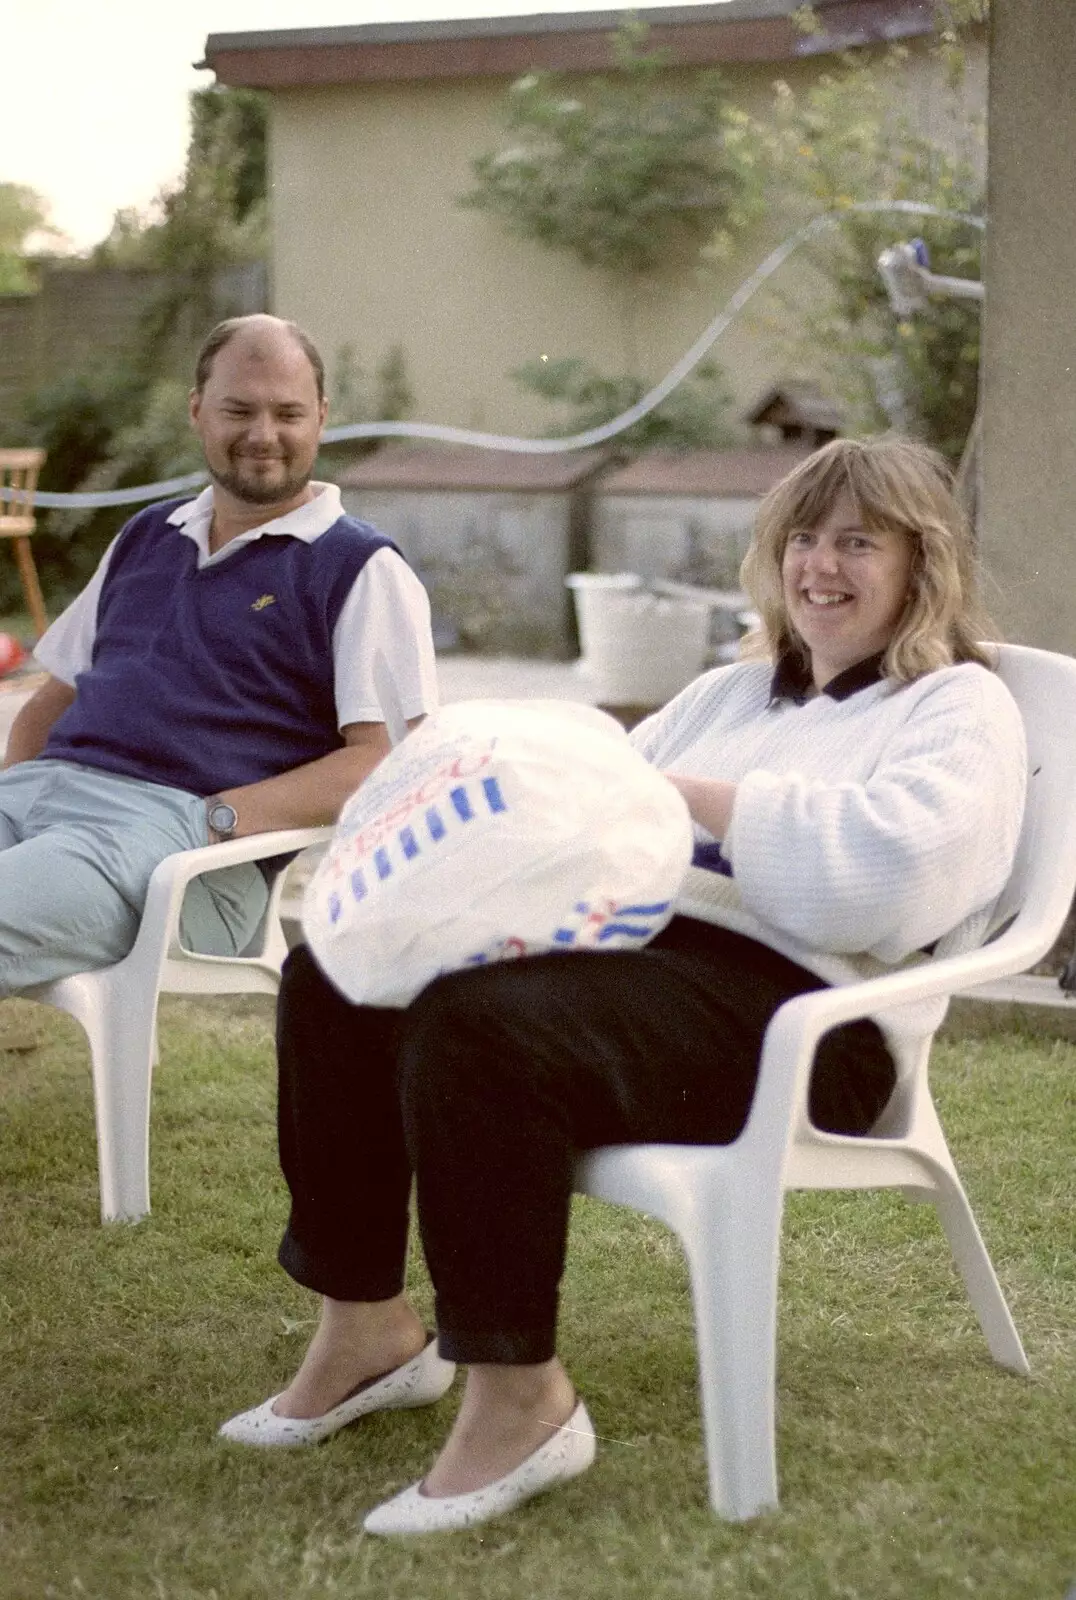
(568, 1453)
(419, 1382)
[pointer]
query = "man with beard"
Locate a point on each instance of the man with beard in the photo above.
(214, 679)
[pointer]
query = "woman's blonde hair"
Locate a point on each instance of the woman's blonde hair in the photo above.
(894, 483)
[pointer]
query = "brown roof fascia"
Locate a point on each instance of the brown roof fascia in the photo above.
(466, 467)
(302, 58)
(732, 474)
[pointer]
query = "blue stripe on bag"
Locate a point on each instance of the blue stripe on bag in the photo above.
(382, 863)
(358, 884)
(629, 930)
(494, 797)
(435, 823)
(461, 803)
(408, 843)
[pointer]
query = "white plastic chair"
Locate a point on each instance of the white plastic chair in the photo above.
(725, 1202)
(117, 1006)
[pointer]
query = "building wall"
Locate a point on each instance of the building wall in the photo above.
(370, 248)
(1029, 365)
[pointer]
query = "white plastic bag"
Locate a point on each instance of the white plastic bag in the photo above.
(495, 829)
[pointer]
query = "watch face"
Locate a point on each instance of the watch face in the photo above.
(223, 817)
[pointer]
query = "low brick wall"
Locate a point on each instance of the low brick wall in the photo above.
(491, 534)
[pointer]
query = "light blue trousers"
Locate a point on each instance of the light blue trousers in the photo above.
(77, 849)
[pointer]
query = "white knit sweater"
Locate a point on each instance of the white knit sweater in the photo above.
(864, 829)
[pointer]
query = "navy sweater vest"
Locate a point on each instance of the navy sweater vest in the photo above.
(209, 679)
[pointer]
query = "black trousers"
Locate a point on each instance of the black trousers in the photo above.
(488, 1085)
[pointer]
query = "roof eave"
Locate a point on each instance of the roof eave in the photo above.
(709, 35)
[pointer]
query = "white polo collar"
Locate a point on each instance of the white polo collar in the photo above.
(307, 522)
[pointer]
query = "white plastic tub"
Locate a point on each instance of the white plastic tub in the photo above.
(639, 648)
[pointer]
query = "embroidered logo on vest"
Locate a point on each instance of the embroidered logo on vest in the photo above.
(263, 601)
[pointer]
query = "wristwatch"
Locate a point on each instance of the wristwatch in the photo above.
(222, 818)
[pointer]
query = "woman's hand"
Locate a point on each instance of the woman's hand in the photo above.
(709, 800)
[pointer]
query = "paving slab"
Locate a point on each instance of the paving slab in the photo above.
(509, 678)
(462, 677)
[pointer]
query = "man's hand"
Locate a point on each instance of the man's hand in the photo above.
(31, 728)
(310, 796)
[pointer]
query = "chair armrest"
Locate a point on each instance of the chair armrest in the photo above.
(187, 864)
(164, 899)
(1012, 952)
(780, 1102)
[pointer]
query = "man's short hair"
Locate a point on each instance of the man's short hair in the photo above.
(225, 331)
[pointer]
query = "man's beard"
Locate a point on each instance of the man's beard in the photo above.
(255, 493)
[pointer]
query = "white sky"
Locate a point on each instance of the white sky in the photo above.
(94, 97)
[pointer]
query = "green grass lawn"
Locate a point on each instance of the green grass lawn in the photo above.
(911, 1466)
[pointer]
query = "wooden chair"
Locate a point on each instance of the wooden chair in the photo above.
(18, 473)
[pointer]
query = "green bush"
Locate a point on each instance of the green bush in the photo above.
(694, 417)
(849, 138)
(622, 169)
(125, 422)
(74, 420)
(626, 172)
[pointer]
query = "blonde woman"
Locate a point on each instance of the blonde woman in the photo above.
(857, 789)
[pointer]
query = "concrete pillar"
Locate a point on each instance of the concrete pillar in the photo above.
(1028, 508)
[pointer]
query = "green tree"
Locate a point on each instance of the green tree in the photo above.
(22, 212)
(356, 397)
(215, 218)
(955, 15)
(74, 420)
(124, 421)
(156, 441)
(694, 417)
(621, 171)
(626, 172)
(229, 133)
(849, 139)
(221, 197)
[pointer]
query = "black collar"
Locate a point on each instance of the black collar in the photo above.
(792, 678)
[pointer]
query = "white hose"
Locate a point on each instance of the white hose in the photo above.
(577, 441)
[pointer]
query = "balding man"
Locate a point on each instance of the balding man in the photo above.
(214, 679)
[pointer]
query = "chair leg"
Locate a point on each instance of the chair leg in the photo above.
(734, 1286)
(31, 588)
(977, 1270)
(122, 1034)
